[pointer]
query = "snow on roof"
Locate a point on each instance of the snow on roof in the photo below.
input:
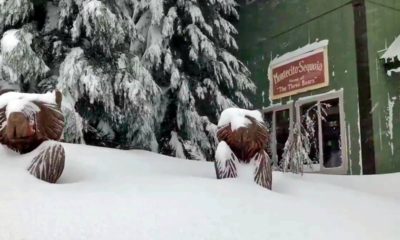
(16, 101)
(236, 117)
(393, 51)
(9, 41)
(395, 70)
(300, 51)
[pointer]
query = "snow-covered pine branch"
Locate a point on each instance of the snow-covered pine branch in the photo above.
(19, 64)
(14, 12)
(100, 25)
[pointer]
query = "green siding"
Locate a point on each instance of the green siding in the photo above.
(382, 22)
(276, 27)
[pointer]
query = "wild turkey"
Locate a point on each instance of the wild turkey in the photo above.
(242, 137)
(28, 120)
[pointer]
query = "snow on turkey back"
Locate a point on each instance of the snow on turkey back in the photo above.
(27, 120)
(8, 98)
(237, 117)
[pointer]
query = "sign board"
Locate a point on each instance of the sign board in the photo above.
(302, 73)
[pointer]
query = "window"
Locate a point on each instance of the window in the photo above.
(323, 117)
(279, 121)
(325, 112)
(331, 135)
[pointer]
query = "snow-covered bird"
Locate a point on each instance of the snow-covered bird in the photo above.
(28, 120)
(243, 136)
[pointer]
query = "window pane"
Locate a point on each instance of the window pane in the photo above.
(282, 131)
(268, 122)
(309, 121)
(331, 134)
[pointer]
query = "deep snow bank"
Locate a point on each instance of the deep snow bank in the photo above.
(112, 194)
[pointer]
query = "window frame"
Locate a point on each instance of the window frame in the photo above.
(343, 134)
(273, 143)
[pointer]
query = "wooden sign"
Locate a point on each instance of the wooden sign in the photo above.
(302, 73)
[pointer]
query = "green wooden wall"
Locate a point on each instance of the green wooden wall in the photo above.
(383, 23)
(271, 28)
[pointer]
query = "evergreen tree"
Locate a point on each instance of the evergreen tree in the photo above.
(150, 74)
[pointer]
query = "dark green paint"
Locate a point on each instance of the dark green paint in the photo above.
(275, 27)
(383, 17)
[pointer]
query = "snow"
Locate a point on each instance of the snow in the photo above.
(359, 142)
(291, 56)
(349, 148)
(223, 152)
(237, 117)
(176, 145)
(9, 97)
(113, 194)
(22, 105)
(244, 171)
(105, 129)
(389, 121)
(52, 17)
(93, 7)
(17, 102)
(9, 41)
(391, 71)
(393, 51)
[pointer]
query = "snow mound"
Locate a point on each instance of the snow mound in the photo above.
(237, 117)
(113, 194)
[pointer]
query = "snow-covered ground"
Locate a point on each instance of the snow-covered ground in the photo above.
(112, 194)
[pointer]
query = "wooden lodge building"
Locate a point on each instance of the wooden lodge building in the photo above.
(345, 54)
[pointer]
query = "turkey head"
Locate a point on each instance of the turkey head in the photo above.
(27, 120)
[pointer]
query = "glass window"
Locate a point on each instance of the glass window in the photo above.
(282, 131)
(321, 120)
(268, 116)
(309, 121)
(331, 134)
(279, 121)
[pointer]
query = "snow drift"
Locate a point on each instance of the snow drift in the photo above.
(114, 194)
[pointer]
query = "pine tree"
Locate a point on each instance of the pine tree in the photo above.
(149, 74)
(205, 77)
